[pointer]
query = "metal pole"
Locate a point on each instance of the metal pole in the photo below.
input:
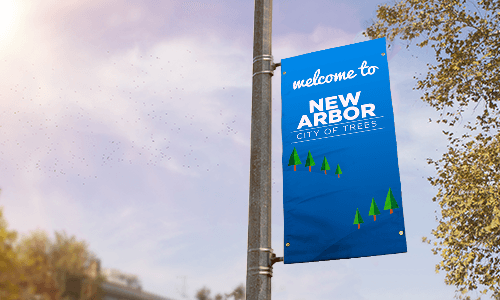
(259, 255)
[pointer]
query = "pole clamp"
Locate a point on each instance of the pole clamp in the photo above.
(261, 249)
(262, 270)
(269, 58)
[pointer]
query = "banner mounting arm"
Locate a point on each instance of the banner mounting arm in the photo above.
(275, 259)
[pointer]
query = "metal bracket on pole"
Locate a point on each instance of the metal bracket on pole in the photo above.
(266, 57)
(262, 269)
(275, 259)
(272, 260)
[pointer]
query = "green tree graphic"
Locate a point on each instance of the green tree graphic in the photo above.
(357, 219)
(390, 202)
(338, 171)
(374, 210)
(309, 161)
(294, 160)
(325, 165)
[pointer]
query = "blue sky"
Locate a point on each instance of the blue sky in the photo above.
(127, 124)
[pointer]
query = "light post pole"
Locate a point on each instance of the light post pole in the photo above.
(260, 256)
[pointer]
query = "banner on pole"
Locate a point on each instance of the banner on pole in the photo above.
(341, 185)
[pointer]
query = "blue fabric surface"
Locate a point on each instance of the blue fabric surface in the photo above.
(354, 130)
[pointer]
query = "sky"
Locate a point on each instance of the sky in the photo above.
(127, 124)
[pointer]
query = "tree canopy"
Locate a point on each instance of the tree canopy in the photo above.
(237, 294)
(48, 264)
(35, 265)
(465, 37)
(10, 272)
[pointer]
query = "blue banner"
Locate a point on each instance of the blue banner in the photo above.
(341, 185)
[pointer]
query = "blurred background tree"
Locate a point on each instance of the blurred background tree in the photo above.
(52, 268)
(35, 265)
(203, 294)
(237, 294)
(11, 275)
(33, 252)
(465, 37)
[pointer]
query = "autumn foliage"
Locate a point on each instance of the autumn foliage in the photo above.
(35, 265)
(466, 76)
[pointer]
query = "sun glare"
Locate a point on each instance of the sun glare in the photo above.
(8, 11)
